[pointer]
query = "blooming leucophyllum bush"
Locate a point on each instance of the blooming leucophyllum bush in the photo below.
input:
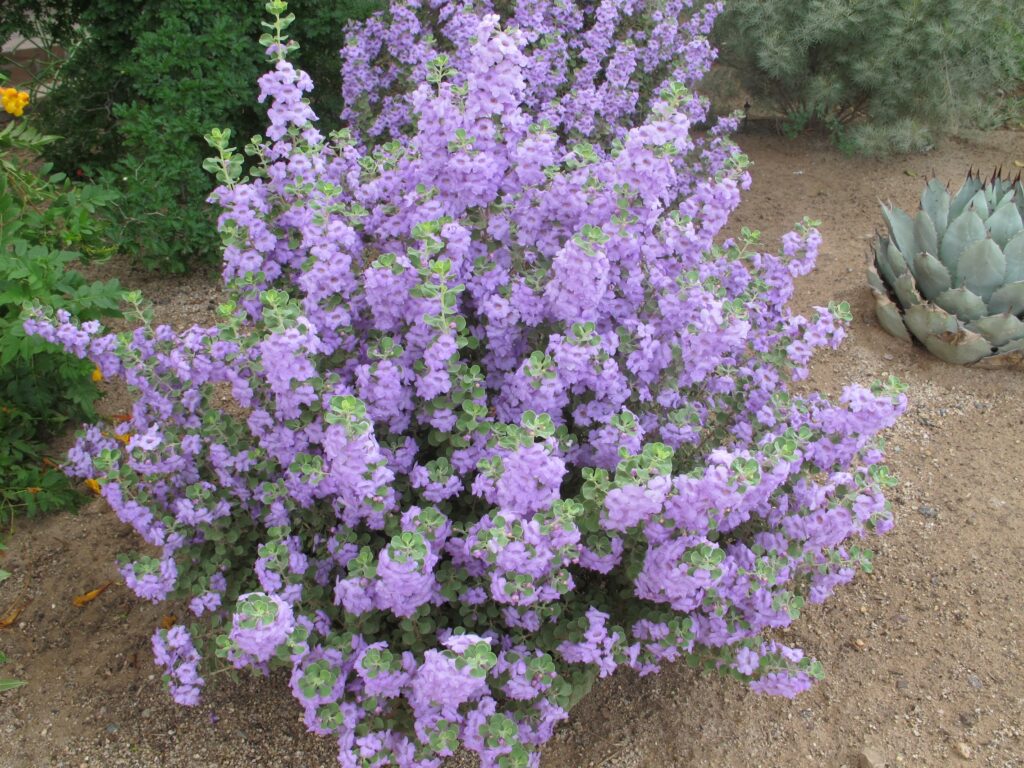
(487, 414)
(592, 67)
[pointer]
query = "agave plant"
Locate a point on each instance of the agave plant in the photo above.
(953, 276)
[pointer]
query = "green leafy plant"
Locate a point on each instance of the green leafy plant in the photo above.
(171, 71)
(46, 224)
(878, 75)
(953, 276)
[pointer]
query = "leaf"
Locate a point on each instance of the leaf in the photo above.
(982, 268)
(1004, 223)
(12, 615)
(88, 597)
(935, 203)
(901, 230)
(10, 685)
(965, 229)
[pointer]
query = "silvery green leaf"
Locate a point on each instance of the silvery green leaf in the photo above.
(944, 337)
(1014, 253)
(874, 279)
(926, 320)
(890, 317)
(982, 268)
(901, 229)
(935, 202)
(979, 204)
(925, 235)
(969, 188)
(1008, 298)
(1011, 354)
(966, 228)
(998, 329)
(906, 291)
(932, 277)
(962, 303)
(890, 266)
(1005, 223)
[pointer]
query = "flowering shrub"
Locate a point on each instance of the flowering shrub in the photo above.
(487, 414)
(592, 67)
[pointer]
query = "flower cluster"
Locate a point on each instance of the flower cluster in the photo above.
(174, 651)
(592, 68)
(489, 411)
(14, 101)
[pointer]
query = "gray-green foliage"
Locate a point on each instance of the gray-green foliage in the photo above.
(953, 276)
(879, 75)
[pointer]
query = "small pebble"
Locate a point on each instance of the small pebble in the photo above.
(927, 511)
(975, 682)
(870, 758)
(963, 750)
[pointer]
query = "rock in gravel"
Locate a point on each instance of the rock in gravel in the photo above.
(927, 511)
(963, 750)
(870, 758)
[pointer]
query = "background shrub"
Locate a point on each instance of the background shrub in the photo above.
(878, 75)
(146, 81)
(46, 224)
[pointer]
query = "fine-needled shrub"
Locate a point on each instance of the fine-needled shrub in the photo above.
(501, 417)
(878, 75)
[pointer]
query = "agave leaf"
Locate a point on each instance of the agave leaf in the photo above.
(944, 337)
(901, 229)
(925, 234)
(874, 279)
(979, 204)
(891, 260)
(932, 277)
(935, 203)
(888, 268)
(1007, 356)
(1005, 223)
(962, 303)
(906, 291)
(998, 329)
(890, 317)
(1009, 298)
(924, 320)
(982, 268)
(968, 190)
(966, 228)
(1014, 253)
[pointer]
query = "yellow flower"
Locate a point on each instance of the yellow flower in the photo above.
(92, 485)
(97, 374)
(14, 101)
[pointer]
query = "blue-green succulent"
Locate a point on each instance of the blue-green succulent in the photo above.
(952, 276)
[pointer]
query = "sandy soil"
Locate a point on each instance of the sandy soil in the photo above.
(924, 657)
